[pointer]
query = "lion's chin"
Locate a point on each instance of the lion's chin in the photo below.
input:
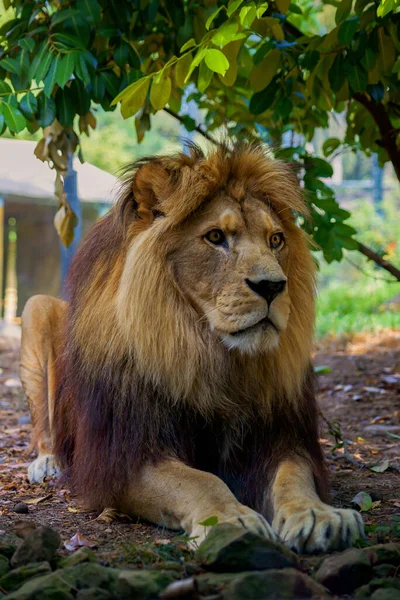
(256, 340)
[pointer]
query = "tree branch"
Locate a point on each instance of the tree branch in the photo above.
(197, 128)
(377, 258)
(385, 126)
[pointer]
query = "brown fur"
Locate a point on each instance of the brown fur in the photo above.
(143, 377)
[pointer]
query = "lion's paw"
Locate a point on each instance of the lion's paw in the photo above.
(318, 529)
(43, 466)
(241, 517)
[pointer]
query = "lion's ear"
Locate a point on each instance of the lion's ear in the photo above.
(150, 186)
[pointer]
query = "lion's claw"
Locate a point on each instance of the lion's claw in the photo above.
(318, 529)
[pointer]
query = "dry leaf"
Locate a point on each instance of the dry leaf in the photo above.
(77, 541)
(38, 500)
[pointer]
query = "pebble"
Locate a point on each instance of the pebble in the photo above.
(21, 508)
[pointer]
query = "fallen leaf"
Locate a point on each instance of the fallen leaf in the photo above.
(77, 541)
(374, 390)
(38, 500)
(381, 468)
(322, 370)
(363, 500)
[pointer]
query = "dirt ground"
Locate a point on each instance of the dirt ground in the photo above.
(360, 403)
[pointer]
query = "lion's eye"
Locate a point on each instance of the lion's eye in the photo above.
(216, 237)
(276, 241)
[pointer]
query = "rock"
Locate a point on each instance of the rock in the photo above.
(40, 545)
(384, 553)
(61, 584)
(93, 594)
(381, 571)
(8, 544)
(4, 565)
(367, 591)
(82, 555)
(274, 584)
(228, 548)
(21, 508)
(15, 578)
(141, 585)
(386, 594)
(342, 573)
(23, 528)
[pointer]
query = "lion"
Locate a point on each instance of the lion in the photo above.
(176, 383)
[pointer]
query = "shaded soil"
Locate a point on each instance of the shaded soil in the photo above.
(361, 393)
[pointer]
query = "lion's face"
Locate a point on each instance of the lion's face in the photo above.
(229, 261)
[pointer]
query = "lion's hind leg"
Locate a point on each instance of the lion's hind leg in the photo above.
(42, 331)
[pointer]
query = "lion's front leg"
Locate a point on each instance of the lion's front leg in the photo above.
(302, 520)
(42, 330)
(179, 497)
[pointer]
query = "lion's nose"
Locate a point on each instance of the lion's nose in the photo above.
(267, 289)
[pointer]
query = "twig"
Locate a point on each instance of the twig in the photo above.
(197, 128)
(377, 258)
(364, 272)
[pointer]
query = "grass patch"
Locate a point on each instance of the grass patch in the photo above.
(352, 293)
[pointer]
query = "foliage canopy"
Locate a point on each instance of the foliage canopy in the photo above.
(258, 69)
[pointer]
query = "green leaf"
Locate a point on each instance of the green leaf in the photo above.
(98, 88)
(247, 15)
(233, 6)
(28, 105)
(160, 93)
(65, 68)
(27, 44)
(283, 6)
(210, 522)
(66, 109)
(387, 52)
(41, 51)
(343, 10)
(336, 73)
(182, 69)
(322, 370)
(212, 16)
(347, 30)
(369, 58)
(47, 110)
(14, 118)
(293, 8)
(319, 166)
(11, 65)
(330, 146)
(44, 65)
(81, 97)
(225, 34)
(216, 61)
(66, 41)
(382, 467)
(262, 100)
(261, 75)
(90, 9)
(111, 82)
(132, 97)
(82, 71)
(189, 44)
(204, 78)
(195, 62)
(385, 7)
(358, 78)
(50, 79)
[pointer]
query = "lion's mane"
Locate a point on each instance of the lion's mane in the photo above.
(141, 376)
